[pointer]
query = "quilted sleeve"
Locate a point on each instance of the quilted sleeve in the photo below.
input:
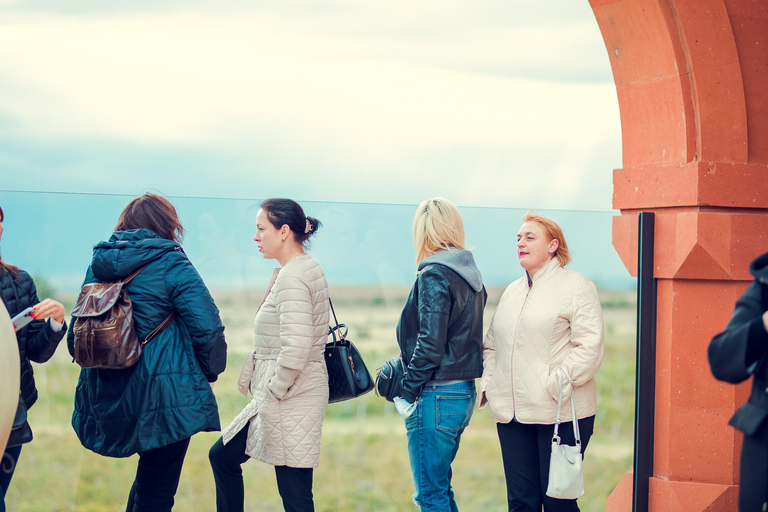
(587, 341)
(195, 307)
(489, 353)
(294, 311)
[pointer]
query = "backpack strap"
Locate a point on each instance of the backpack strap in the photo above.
(165, 323)
(159, 328)
(134, 274)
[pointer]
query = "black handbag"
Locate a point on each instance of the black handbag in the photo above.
(389, 378)
(21, 432)
(348, 376)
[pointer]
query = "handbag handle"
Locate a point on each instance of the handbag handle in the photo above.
(576, 433)
(332, 330)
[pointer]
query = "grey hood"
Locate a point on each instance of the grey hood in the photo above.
(461, 262)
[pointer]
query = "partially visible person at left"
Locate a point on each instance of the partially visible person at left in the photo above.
(737, 353)
(37, 342)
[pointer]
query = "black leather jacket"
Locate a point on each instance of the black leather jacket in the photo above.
(437, 301)
(37, 341)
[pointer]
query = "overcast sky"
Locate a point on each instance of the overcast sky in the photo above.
(498, 102)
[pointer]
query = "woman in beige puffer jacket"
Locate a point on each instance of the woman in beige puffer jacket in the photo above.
(547, 323)
(285, 373)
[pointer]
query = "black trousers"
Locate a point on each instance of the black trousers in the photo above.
(525, 451)
(753, 483)
(294, 484)
(157, 478)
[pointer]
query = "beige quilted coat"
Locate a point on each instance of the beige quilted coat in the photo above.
(286, 371)
(556, 322)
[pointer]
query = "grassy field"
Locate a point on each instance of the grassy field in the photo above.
(364, 462)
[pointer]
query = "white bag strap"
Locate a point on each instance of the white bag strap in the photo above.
(576, 433)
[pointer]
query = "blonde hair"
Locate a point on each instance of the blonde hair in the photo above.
(553, 232)
(437, 226)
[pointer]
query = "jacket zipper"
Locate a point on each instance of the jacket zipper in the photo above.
(514, 345)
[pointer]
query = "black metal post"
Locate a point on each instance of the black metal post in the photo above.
(645, 373)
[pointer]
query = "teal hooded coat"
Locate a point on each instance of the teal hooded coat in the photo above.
(166, 396)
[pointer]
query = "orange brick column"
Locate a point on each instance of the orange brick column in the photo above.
(692, 83)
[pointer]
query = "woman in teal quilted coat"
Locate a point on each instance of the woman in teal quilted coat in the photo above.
(155, 406)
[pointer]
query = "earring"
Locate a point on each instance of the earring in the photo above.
(282, 239)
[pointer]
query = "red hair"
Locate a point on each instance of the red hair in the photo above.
(554, 232)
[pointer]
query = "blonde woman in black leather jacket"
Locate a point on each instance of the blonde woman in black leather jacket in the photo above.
(440, 334)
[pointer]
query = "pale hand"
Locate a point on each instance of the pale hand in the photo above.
(49, 308)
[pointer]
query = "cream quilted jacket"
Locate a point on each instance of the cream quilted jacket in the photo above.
(286, 371)
(556, 322)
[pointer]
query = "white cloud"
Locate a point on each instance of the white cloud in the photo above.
(379, 90)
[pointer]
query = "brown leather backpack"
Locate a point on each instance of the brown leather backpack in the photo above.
(103, 328)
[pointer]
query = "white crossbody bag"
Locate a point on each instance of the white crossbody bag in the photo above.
(566, 477)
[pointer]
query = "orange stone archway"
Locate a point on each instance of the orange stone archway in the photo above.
(692, 84)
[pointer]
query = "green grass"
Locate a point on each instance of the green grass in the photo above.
(364, 462)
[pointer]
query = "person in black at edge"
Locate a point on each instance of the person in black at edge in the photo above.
(37, 342)
(734, 355)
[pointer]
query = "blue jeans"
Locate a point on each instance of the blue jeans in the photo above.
(434, 431)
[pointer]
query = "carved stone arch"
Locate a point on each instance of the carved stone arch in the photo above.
(692, 83)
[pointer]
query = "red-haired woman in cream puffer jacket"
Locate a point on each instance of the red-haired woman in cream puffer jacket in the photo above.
(548, 321)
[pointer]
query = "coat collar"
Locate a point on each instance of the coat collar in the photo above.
(127, 251)
(551, 268)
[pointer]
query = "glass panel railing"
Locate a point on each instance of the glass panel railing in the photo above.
(367, 253)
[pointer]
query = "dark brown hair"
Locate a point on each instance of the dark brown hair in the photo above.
(3, 265)
(152, 212)
(287, 211)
